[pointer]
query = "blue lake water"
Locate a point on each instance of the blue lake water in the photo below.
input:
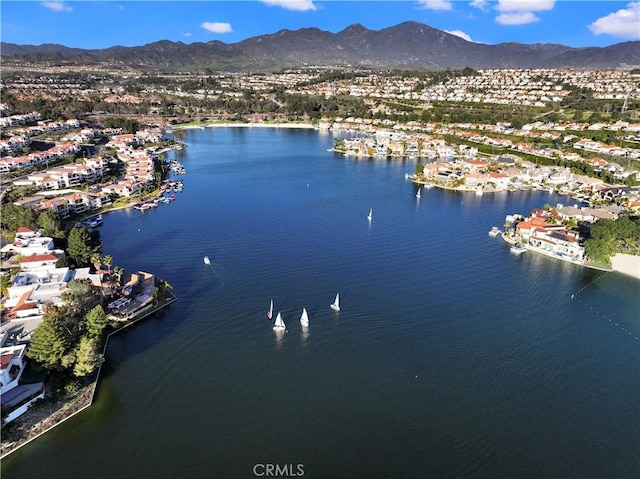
(450, 357)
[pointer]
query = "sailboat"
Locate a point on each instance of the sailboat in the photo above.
(207, 261)
(270, 312)
(304, 319)
(418, 193)
(279, 324)
(336, 304)
(370, 214)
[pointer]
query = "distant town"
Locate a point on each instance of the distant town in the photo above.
(77, 142)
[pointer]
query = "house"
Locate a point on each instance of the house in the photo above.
(475, 179)
(26, 232)
(27, 245)
(12, 362)
(564, 244)
(38, 262)
(17, 401)
(501, 180)
(125, 188)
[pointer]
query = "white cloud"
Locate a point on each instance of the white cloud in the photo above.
(625, 23)
(460, 33)
(57, 6)
(217, 27)
(520, 12)
(518, 18)
(186, 34)
(436, 4)
(298, 5)
(480, 4)
(525, 5)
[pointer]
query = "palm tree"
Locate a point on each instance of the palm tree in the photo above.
(162, 287)
(96, 261)
(115, 278)
(108, 261)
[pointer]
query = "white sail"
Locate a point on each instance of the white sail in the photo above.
(418, 193)
(304, 319)
(207, 261)
(336, 304)
(370, 214)
(270, 312)
(279, 323)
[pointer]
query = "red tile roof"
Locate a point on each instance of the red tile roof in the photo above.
(39, 257)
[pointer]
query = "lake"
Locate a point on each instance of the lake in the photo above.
(450, 357)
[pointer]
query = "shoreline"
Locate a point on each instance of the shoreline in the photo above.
(27, 429)
(307, 126)
(627, 264)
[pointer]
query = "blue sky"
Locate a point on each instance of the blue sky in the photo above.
(102, 24)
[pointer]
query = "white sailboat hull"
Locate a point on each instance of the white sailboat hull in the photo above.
(304, 319)
(336, 304)
(279, 325)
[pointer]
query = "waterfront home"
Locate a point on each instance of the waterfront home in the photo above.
(16, 398)
(565, 244)
(544, 233)
(125, 188)
(501, 180)
(475, 179)
(59, 205)
(136, 297)
(12, 360)
(529, 226)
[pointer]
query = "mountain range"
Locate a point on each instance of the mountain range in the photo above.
(409, 45)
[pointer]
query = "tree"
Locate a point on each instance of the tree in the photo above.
(48, 343)
(87, 357)
(96, 322)
(81, 246)
(108, 261)
(13, 216)
(50, 223)
(598, 250)
(81, 296)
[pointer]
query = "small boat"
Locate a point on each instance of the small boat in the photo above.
(494, 231)
(270, 312)
(418, 193)
(207, 261)
(279, 324)
(336, 304)
(304, 318)
(95, 222)
(518, 248)
(370, 215)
